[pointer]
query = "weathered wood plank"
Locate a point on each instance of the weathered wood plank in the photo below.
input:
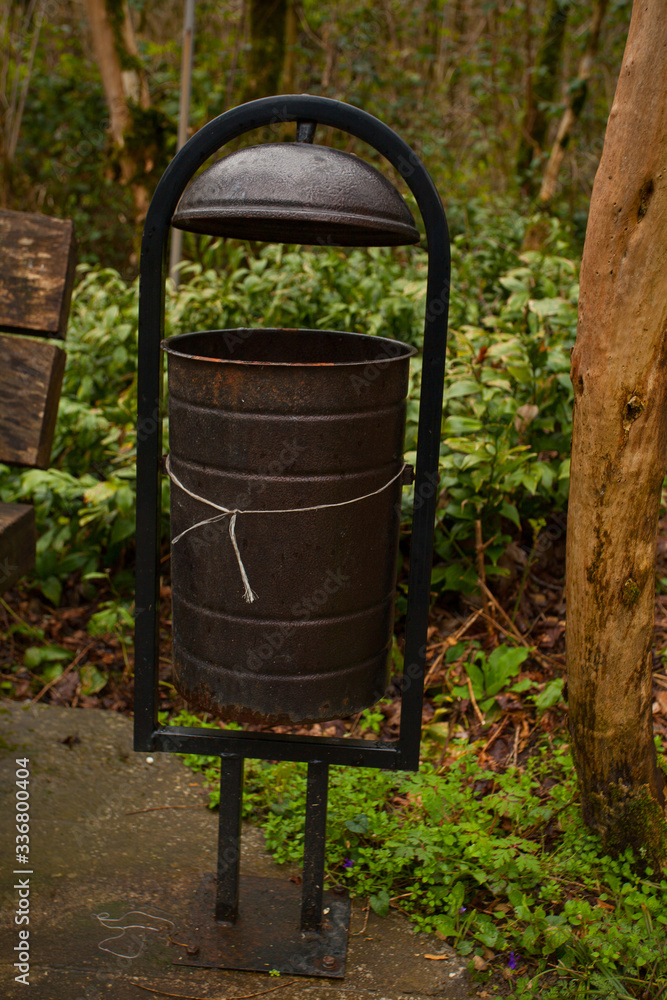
(31, 375)
(17, 542)
(37, 262)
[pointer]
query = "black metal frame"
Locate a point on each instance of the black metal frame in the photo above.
(149, 736)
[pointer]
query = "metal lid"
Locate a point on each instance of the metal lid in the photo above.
(295, 192)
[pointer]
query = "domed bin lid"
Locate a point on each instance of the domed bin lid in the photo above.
(295, 192)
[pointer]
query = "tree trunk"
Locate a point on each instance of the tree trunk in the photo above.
(268, 19)
(330, 42)
(619, 374)
(124, 83)
(135, 81)
(578, 94)
(459, 28)
(291, 41)
(543, 88)
(20, 26)
(239, 40)
(436, 14)
(19, 91)
(108, 62)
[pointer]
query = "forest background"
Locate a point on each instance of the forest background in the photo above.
(506, 103)
(477, 88)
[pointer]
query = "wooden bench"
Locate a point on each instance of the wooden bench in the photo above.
(37, 262)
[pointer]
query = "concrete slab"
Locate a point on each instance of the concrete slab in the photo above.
(119, 844)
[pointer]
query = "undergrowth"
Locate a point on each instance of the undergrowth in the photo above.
(499, 865)
(507, 415)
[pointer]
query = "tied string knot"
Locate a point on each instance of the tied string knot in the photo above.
(232, 512)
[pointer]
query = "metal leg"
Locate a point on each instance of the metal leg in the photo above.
(315, 841)
(229, 839)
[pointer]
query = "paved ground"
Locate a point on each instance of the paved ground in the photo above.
(112, 833)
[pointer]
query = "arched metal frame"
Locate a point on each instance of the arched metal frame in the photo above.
(402, 754)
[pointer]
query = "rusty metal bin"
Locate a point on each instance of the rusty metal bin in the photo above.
(263, 424)
(269, 420)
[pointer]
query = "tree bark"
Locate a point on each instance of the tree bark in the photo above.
(124, 83)
(20, 90)
(578, 94)
(135, 81)
(108, 62)
(619, 450)
(20, 26)
(543, 87)
(268, 20)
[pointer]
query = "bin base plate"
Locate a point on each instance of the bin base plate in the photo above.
(266, 935)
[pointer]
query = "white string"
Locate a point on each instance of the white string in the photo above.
(248, 593)
(108, 922)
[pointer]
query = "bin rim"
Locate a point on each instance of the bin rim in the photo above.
(170, 345)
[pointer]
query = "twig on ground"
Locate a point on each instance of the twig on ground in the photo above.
(515, 752)
(355, 723)
(433, 669)
(367, 908)
(495, 735)
(514, 633)
(468, 623)
(237, 996)
(481, 571)
(180, 944)
(474, 703)
(30, 629)
(135, 812)
(450, 641)
(510, 624)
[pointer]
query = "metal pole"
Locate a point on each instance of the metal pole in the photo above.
(314, 846)
(229, 839)
(183, 120)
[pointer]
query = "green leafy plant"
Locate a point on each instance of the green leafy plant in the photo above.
(92, 680)
(550, 696)
(372, 719)
(506, 420)
(511, 871)
(48, 661)
(489, 675)
(115, 618)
